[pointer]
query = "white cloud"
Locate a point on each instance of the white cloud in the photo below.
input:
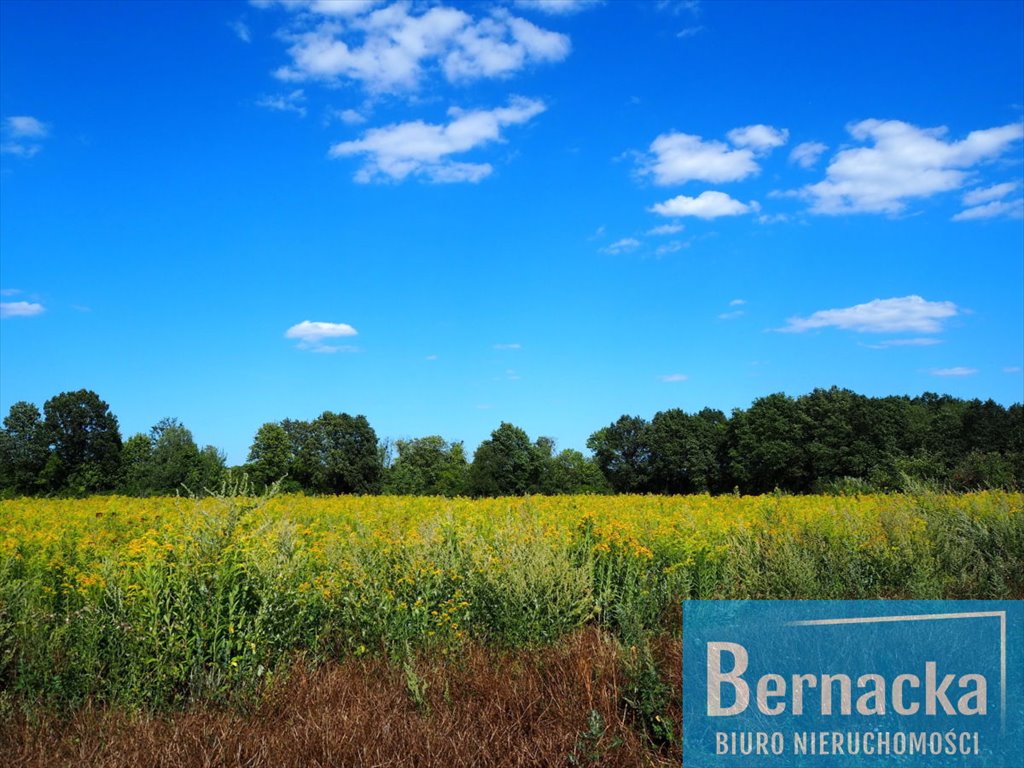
(985, 194)
(676, 158)
(24, 134)
(687, 32)
(1012, 369)
(806, 155)
(514, 345)
(322, 7)
(904, 163)
(1013, 209)
(737, 302)
(915, 342)
(241, 30)
(10, 291)
(20, 309)
(674, 377)
(349, 116)
(760, 138)
(666, 229)
(958, 371)
(731, 315)
(622, 246)
(422, 149)
(431, 358)
(910, 314)
(558, 7)
(26, 127)
(287, 102)
(707, 205)
(312, 335)
(389, 49)
(670, 247)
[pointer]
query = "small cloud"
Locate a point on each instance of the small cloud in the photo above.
(289, 102)
(20, 309)
(731, 315)
(737, 302)
(349, 116)
(760, 138)
(907, 314)
(81, 308)
(10, 291)
(1012, 369)
(688, 32)
(772, 218)
(622, 246)
(311, 335)
(508, 346)
(511, 375)
(806, 154)
(707, 205)
(423, 149)
(915, 342)
(431, 358)
(23, 135)
(674, 377)
(1013, 209)
(558, 7)
(987, 194)
(670, 247)
(958, 371)
(676, 158)
(26, 127)
(241, 30)
(665, 229)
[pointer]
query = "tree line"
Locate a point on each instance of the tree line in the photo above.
(830, 440)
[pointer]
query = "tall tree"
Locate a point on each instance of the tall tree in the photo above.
(506, 464)
(23, 449)
(427, 466)
(335, 453)
(766, 446)
(623, 452)
(271, 456)
(86, 443)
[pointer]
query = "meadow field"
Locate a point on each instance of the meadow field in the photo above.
(293, 630)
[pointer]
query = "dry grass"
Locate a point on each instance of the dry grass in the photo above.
(520, 708)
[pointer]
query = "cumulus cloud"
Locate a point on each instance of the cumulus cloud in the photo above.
(23, 135)
(904, 162)
(806, 155)
(312, 335)
(760, 138)
(674, 377)
(910, 314)
(423, 149)
(20, 309)
(558, 7)
(958, 371)
(675, 158)
(707, 205)
(288, 102)
(622, 246)
(350, 116)
(389, 49)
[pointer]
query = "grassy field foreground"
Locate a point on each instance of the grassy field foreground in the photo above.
(422, 631)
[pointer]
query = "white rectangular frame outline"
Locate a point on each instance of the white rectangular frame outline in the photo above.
(1001, 615)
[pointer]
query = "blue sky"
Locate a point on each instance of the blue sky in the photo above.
(448, 215)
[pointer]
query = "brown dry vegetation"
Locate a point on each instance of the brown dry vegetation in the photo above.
(485, 708)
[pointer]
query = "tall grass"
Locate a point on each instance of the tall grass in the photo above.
(157, 603)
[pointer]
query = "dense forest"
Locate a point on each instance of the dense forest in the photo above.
(830, 440)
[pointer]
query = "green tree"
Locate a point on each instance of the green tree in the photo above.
(506, 464)
(335, 453)
(270, 456)
(23, 450)
(136, 461)
(570, 472)
(427, 466)
(766, 446)
(622, 451)
(686, 451)
(85, 441)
